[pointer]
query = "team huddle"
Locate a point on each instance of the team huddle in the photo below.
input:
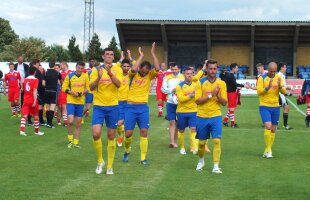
(119, 94)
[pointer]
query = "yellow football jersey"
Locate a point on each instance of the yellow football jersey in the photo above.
(124, 88)
(269, 98)
(186, 100)
(211, 108)
(106, 94)
(139, 87)
(75, 83)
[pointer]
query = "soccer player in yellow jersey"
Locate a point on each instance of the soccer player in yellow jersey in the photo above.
(137, 110)
(123, 95)
(76, 85)
(210, 95)
(187, 111)
(268, 87)
(104, 83)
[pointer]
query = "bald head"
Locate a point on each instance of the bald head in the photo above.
(272, 69)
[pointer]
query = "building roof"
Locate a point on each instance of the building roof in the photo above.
(215, 32)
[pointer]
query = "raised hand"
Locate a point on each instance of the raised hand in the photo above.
(122, 56)
(153, 48)
(140, 51)
(129, 54)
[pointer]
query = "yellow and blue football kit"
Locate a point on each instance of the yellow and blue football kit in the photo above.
(75, 83)
(269, 107)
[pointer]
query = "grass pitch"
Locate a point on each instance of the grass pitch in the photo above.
(36, 167)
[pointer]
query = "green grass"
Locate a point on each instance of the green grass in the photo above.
(43, 168)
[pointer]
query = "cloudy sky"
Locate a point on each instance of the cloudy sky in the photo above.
(56, 20)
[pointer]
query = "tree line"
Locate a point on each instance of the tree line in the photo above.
(35, 48)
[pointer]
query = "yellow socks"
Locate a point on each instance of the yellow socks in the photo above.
(272, 136)
(120, 129)
(216, 150)
(267, 138)
(98, 149)
(111, 153)
(201, 148)
(70, 138)
(181, 140)
(143, 147)
(128, 142)
(193, 141)
(75, 141)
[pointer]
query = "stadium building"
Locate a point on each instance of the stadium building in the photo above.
(244, 42)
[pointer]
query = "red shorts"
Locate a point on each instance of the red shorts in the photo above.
(232, 98)
(160, 95)
(29, 110)
(62, 98)
(13, 95)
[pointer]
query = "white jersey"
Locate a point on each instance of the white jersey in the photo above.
(283, 77)
(170, 82)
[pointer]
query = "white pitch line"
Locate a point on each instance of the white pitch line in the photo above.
(296, 107)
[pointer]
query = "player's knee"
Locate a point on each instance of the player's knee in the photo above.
(143, 132)
(128, 134)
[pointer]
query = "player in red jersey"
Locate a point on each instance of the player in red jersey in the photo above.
(62, 97)
(30, 103)
(14, 82)
(160, 96)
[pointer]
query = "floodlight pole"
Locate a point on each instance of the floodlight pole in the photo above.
(89, 23)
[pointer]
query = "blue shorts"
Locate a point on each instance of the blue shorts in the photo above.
(171, 111)
(89, 98)
(207, 126)
(186, 120)
(107, 113)
(270, 114)
(75, 109)
(121, 109)
(137, 113)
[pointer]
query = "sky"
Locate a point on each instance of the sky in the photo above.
(55, 21)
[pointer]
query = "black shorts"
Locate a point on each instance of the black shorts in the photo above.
(40, 98)
(50, 97)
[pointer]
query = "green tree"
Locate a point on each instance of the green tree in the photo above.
(31, 48)
(117, 52)
(58, 53)
(74, 51)
(94, 49)
(7, 35)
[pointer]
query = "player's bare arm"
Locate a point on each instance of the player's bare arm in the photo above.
(153, 53)
(135, 67)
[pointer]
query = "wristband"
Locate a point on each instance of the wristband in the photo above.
(79, 94)
(110, 74)
(210, 96)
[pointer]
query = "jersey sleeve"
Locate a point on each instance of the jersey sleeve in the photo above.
(180, 94)
(131, 73)
(153, 74)
(197, 76)
(93, 75)
(36, 84)
(198, 91)
(260, 86)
